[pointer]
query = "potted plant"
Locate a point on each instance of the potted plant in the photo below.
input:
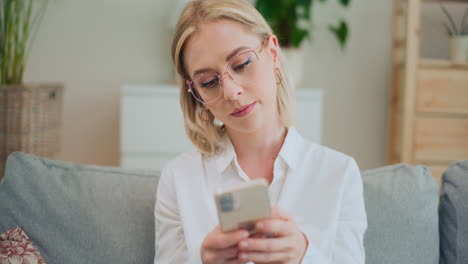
(290, 21)
(30, 114)
(458, 36)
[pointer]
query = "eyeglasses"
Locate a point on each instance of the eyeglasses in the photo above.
(243, 68)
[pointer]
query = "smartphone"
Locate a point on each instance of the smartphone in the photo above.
(242, 205)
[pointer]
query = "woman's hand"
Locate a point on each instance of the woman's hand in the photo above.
(222, 247)
(288, 245)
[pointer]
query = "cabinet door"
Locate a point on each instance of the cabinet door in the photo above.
(441, 139)
(443, 91)
(152, 127)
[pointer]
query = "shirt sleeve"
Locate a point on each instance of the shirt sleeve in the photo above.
(313, 254)
(348, 246)
(170, 246)
(352, 222)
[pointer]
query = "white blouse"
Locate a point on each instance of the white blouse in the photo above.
(319, 187)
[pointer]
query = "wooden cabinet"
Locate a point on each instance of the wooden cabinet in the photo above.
(428, 116)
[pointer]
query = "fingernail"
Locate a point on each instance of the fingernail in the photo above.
(245, 234)
(259, 225)
(244, 256)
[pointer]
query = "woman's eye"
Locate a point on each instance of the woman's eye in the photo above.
(243, 65)
(209, 84)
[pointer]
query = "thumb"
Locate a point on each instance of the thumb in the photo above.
(277, 212)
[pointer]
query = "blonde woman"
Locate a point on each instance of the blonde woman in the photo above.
(237, 107)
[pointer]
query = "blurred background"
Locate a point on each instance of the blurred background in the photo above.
(94, 47)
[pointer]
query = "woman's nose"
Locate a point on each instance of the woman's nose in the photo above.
(231, 89)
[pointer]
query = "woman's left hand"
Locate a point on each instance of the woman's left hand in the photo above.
(287, 246)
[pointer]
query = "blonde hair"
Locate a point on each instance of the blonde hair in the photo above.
(200, 124)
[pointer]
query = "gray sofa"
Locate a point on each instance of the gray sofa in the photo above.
(90, 214)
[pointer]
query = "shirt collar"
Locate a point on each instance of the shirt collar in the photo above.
(226, 156)
(289, 151)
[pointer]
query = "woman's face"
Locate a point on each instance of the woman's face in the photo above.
(247, 101)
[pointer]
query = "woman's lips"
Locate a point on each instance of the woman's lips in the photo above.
(244, 110)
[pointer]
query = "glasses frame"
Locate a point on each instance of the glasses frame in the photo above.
(221, 76)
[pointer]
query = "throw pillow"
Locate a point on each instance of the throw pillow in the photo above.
(453, 214)
(401, 206)
(16, 247)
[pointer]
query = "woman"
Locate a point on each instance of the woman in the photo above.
(237, 109)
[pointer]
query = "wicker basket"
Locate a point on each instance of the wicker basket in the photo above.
(30, 120)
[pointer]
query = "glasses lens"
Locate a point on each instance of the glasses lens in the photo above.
(207, 87)
(243, 67)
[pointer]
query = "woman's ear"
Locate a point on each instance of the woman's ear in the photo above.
(274, 49)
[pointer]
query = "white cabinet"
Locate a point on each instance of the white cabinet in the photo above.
(152, 128)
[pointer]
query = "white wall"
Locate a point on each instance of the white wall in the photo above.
(95, 46)
(356, 80)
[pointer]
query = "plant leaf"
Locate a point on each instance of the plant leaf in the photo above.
(19, 23)
(464, 26)
(449, 31)
(452, 23)
(266, 9)
(305, 4)
(345, 3)
(297, 36)
(340, 32)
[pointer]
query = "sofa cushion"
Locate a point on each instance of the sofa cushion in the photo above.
(401, 205)
(453, 214)
(80, 214)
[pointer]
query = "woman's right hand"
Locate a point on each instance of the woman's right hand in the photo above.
(221, 247)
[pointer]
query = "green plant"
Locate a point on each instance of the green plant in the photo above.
(451, 28)
(19, 22)
(286, 17)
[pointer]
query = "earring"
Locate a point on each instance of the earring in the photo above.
(278, 77)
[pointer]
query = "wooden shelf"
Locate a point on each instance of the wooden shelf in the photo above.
(428, 117)
(434, 161)
(455, 113)
(446, 1)
(439, 63)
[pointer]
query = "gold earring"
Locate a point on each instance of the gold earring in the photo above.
(279, 77)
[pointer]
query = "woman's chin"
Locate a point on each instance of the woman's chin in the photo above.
(248, 125)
